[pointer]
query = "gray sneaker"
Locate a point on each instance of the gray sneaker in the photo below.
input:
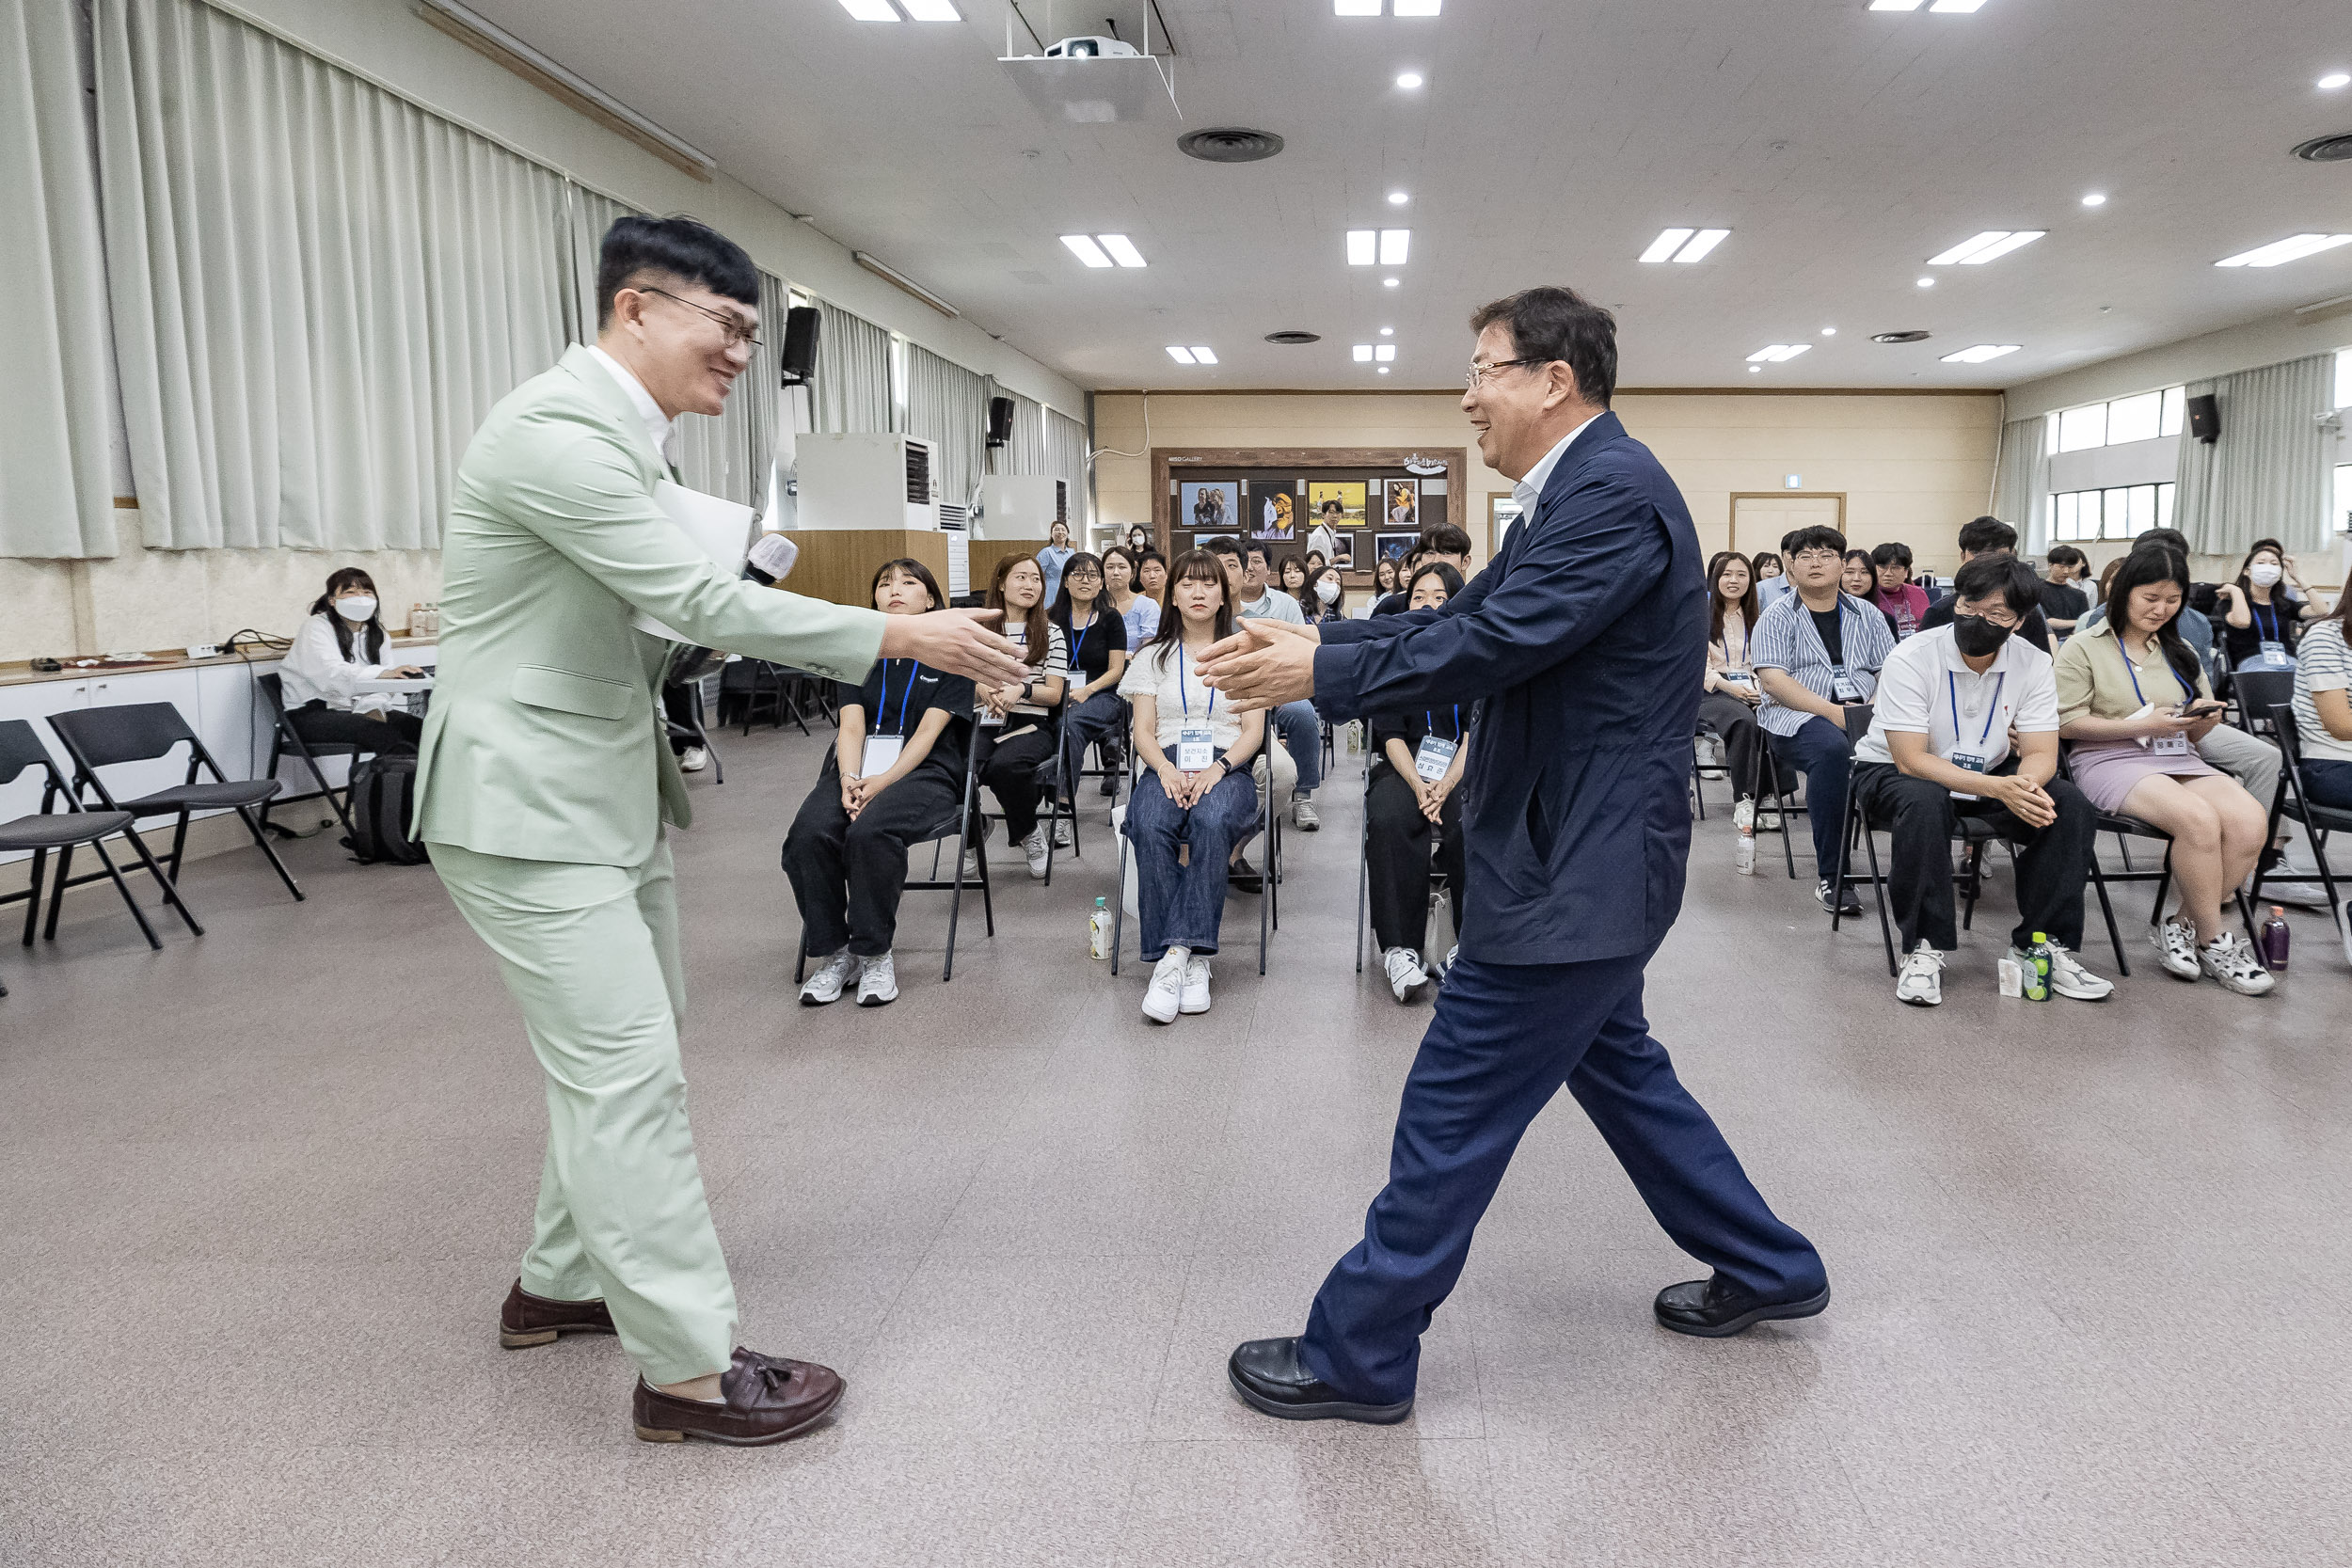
(825, 985)
(1303, 815)
(877, 981)
(2231, 960)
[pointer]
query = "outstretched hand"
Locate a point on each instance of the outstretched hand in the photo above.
(958, 642)
(1265, 664)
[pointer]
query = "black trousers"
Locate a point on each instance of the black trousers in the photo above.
(394, 734)
(846, 877)
(1397, 857)
(1016, 770)
(1743, 738)
(2053, 863)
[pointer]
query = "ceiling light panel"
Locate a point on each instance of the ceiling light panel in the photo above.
(1957, 7)
(1980, 353)
(870, 10)
(1390, 283)
(1354, 8)
(1398, 199)
(1418, 7)
(1896, 5)
(1181, 356)
(1385, 353)
(1393, 244)
(1701, 243)
(1205, 355)
(1772, 354)
(2293, 248)
(1408, 80)
(1388, 332)
(1085, 249)
(1990, 245)
(2333, 80)
(1360, 245)
(1122, 250)
(1668, 242)
(931, 10)
(1364, 354)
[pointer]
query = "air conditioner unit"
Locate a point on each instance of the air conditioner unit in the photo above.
(866, 481)
(1021, 506)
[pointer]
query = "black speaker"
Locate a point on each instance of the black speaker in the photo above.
(800, 344)
(2204, 417)
(999, 420)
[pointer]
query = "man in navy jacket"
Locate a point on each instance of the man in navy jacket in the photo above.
(1582, 645)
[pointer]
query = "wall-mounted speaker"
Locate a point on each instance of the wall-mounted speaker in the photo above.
(999, 420)
(2204, 417)
(800, 344)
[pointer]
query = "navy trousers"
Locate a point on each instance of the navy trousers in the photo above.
(1824, 754)
(1505, 1037)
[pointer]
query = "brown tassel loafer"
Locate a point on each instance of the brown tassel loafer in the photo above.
(527, 1319)
(768, 1398)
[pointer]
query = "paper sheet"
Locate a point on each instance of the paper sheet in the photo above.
(721, 530)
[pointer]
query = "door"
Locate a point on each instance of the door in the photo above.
(1758, 522)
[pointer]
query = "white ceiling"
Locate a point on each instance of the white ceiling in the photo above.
(1551, 143)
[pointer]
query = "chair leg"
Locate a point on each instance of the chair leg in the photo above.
(179, 844)
(2106, 909)
(1878, 896)
(955, 910)
(263, 839)
(130, 903)
(32, 895)
(171, 888)
(1265, 905)
(1363, 883)
(1976, 886)
(57, 896)
(1118, 902)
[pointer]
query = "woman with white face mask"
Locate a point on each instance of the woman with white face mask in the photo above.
(2264, 611)
(1325, 598)
(340, 645)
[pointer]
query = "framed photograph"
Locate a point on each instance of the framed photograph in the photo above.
(1209, 506)
(1393, 546)
(1272, 510)
(1341, 552)
(1335, 504)
(1403, 504)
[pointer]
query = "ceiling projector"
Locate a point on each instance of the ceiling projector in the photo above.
(1088, 48)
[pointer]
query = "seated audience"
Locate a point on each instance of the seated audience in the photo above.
(1194, 807)
(1386, 576)
(2261, 612)
(894, 774)
(1772, 579)
(1904, 601)
(1096, 637)
(1441, 543)
(338, 645)
(1730, 696)
(2323, 712)
(1016, 722)
(1138, 614)
(1417, 761)
(1317, 561)
(1296, 764)
(1939, 749)
(1327, 596)
(1816, 653)
(2062, 603)
(1152, 587)
(2134, 701)
(1989, 536)
(1294, 572)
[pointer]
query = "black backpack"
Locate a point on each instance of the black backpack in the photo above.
(382, 788)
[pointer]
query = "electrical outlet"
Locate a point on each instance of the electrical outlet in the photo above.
(202, 650)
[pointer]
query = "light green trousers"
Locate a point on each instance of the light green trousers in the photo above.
(590, 955)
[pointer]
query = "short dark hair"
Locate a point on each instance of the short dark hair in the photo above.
(912, 568)
(1445, 539)
(1986, 533)
(1146, 556)
(1553, 322)
(2005, 575)
(694, 253)
(1222, 546)
(1442, 570)
(2065, 554)
(1257, 547)
(2171, 538)
(1892, 554)
(1821, 536)
(1331, 506)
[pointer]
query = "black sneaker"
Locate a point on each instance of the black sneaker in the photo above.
(1243, 875)
(1840, 900)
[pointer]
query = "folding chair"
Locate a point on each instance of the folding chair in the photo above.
(141, 732)
(1269, 826)
(691, 668)
(284, 740)
(958, 827)
(1771, 797)
(2260, 692)
(49, 828)
(2319, 821)
(2124, 829)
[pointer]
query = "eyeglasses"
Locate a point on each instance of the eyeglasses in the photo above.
(1816, 557)
(1997, 614)
(736, 331)
(1479, 372)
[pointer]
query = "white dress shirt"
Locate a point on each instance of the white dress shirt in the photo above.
(1926, 689)
(659, 427)
(1529, 488)
(316, 671)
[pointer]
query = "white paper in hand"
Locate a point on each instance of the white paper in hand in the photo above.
(720, 528)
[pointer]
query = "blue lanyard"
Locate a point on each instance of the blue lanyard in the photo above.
(1951, 688)
(2272, 635)
(904, 697)
(1080, 643)
(2133, 670)
(1185, 696)
(1429, 722)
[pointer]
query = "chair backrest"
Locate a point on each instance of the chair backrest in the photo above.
(2264, 691)
(133, 732)
(2290, 733)
(274, 687)
(20, 749)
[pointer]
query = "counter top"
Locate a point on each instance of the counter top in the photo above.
(21, 672)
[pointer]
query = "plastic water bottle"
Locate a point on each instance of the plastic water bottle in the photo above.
(1099, 931)
(2274, 936)
(2037, 967)
(1744, 857)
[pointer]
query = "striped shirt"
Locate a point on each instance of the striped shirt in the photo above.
(2322, 664)
(1784, 638)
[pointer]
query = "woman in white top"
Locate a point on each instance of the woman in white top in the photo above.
(1018, 720)
(1195, 788)
(340, 645)
(1729, 703)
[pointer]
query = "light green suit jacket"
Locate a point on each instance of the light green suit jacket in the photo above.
(545, 739)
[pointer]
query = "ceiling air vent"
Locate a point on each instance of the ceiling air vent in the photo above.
(1914, 336)
(1229, 144)
(2327, 150)
(1293, 336)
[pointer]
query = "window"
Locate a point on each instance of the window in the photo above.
(2344, 378)
(2143, 417)
(2079, 428)
(2121, 513)
(2135, 419)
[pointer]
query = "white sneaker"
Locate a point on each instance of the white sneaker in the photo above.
(2178, 944)
(2231, 960)
(1303, 815)
(1162, 997)
(2068, 978)
(825, 985)
(694, 759)
(1196, 992)
(1407, 977)
(1062, 833)
(1769, 821)
(1034, 847)
(1921, 983)
(877, 981)
(1743, 816)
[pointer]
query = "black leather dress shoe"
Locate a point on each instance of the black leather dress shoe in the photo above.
(1719, 1308)
(1270, 1376)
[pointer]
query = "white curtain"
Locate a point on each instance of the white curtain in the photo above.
(2268, 474)
(1066, 460)
(852, 380)
(947, 405)
(319, 288)
(728, 455)
(2021, 485)
(586, 216)
(1023, 452)
(56, 493)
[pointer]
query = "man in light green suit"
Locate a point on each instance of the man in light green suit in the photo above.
(544, 783)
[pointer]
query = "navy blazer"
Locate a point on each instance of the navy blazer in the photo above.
(1584, 644)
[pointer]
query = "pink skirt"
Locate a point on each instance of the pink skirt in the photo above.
(2107, 771)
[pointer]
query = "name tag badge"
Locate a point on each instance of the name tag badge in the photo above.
(1195, 750)
(2173, 745)
(1737, 677)
(881, 753)
(1973, 764)
(2275, 655)
(988, 718)
(1843, 686)
(1434, 757)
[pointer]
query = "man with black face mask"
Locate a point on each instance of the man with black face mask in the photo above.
(1939, 749)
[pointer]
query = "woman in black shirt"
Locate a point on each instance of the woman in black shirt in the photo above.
(1096, 637)
(894, 776)
(1414, 791)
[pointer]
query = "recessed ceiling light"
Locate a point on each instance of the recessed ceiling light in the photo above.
(1385, 353)
(1354, 8)
(1772, 354)
(1668, 242)
(1755, 370)
(1683, 244)
(1980, 354)
(1829, 332)
(1122, 250)
(1990, 245)
(1418, 7)
(1926, 282)
(930, 11)
(1408, 80)
(1701, 243)
(1398, 199)
(870, 10)
(1181, 356)
(2095, 198)
(1207, 357)
(1085, 249)
(1364, 354)
(1383, 370)
(1393, 242)
(1359, 246)
(1389, 282)
(1388, 332)
(2293, 248)
(2333, 80)
(1958, 8)
(1894, 5)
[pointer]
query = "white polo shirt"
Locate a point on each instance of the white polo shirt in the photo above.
(1926, 689)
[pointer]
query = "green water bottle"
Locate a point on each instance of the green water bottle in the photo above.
(2038, 969)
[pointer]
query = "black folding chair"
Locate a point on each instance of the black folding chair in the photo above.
(59, 830)
(2258, 693)
(101, 738)
(285, 740)
(2125, 829)
(688, 669)
(2291, 802)
(959, 827)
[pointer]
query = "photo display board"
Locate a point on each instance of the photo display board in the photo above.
(1353, 518)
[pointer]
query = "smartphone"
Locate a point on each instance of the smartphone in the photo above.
(2198, 710)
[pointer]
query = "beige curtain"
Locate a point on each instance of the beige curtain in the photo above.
(319, 288)
(851, 390)
(947, 405)
(2021, 483)
(56, 494)
(2268, 474)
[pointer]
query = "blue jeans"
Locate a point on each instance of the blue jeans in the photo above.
(1180, 906)
(1301, 729)
(1823, 754)
(1096, 719)
(2327, 783)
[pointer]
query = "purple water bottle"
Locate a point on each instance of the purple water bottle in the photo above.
(2273, 942)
